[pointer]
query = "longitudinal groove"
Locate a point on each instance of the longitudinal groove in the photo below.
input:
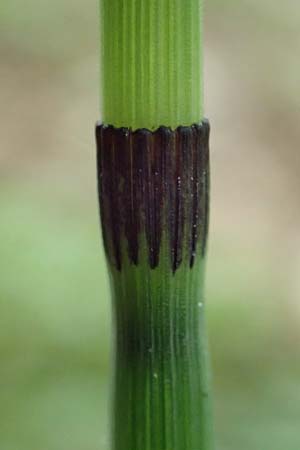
(195, 203)
(150, 183)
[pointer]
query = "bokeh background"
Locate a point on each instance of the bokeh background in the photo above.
(54, 297)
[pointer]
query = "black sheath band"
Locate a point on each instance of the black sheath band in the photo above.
(154, 185)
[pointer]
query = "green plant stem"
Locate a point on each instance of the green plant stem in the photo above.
(153, 193)
(162, 388)
(151, 63)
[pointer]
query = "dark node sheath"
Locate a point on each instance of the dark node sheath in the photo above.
(154, 185)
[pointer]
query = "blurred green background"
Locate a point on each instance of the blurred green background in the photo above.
(54, 298)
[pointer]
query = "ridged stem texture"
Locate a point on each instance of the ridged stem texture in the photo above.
(151, 63)
(154, 193)
(162, 397)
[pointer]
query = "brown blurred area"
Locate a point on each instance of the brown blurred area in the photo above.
(252, 78)
(54, 298)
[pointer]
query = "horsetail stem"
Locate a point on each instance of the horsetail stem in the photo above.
(151, 68)
(153, 172)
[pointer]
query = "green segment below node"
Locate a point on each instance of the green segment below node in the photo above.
(151, 63)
